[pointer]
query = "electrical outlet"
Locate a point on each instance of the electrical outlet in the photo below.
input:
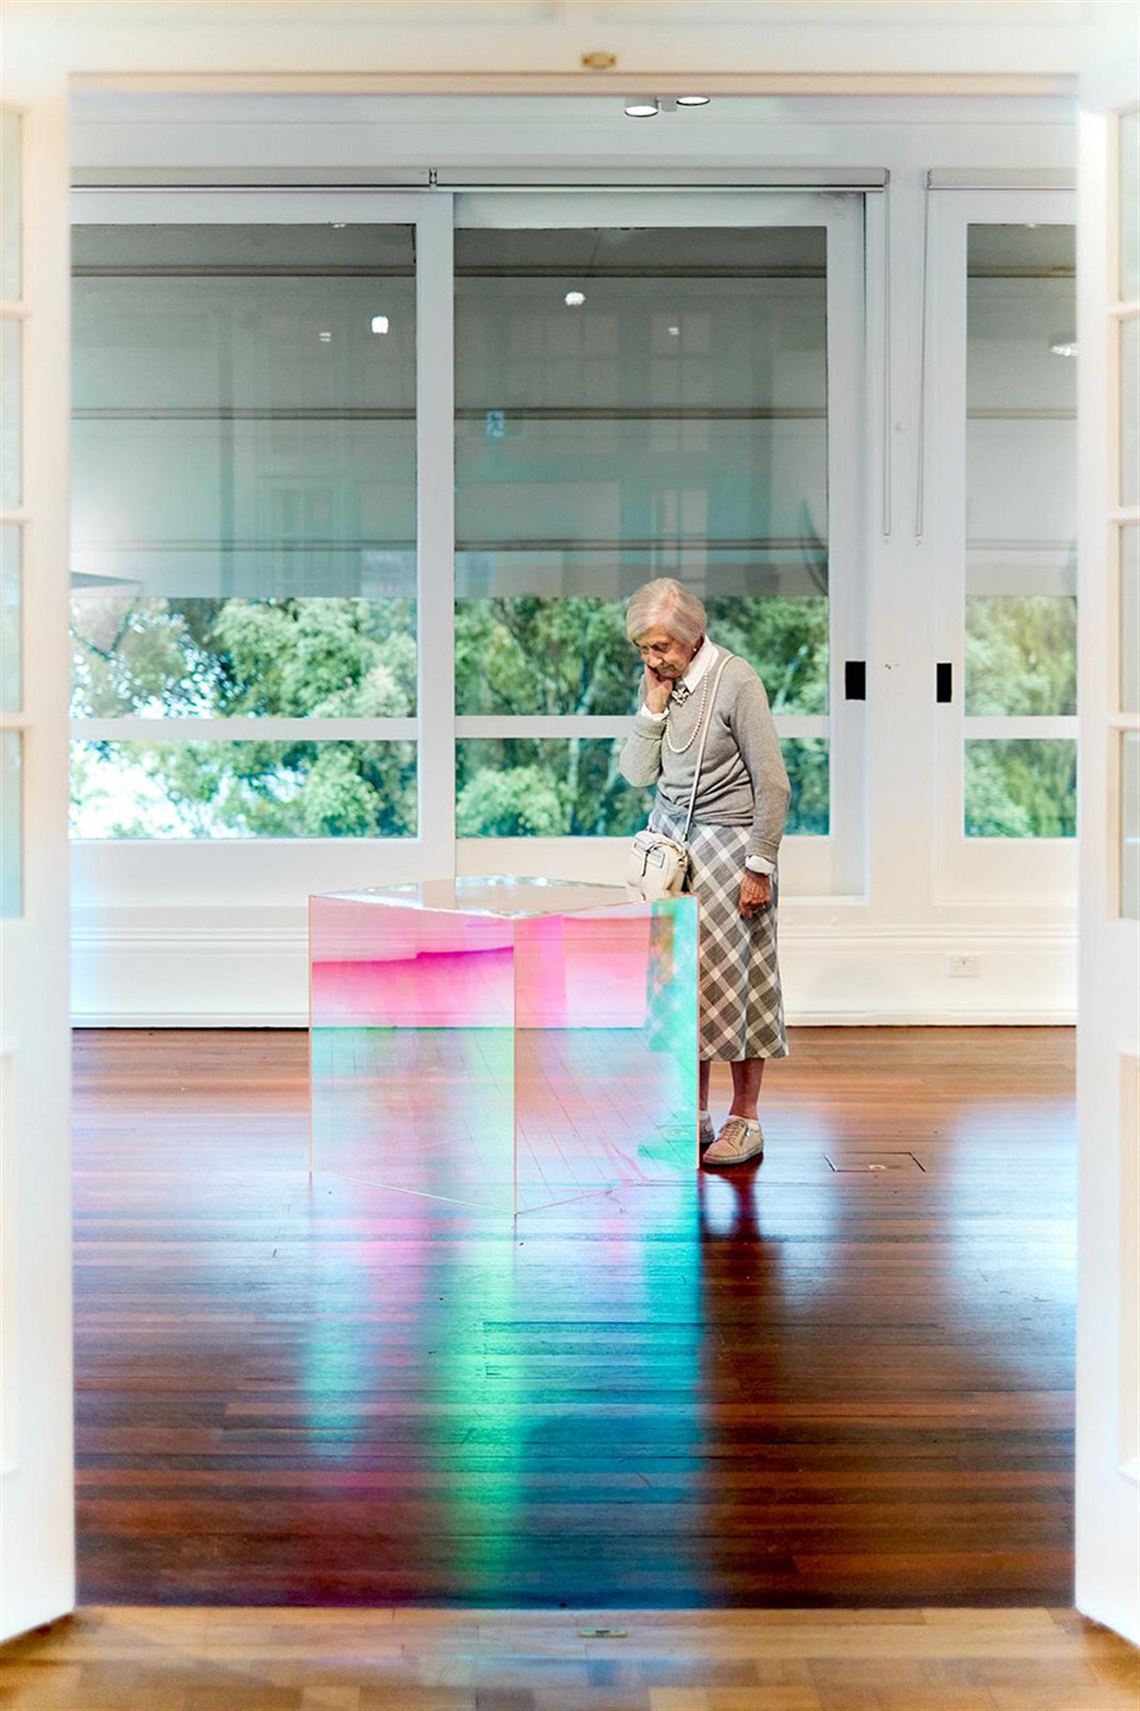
(963, 967)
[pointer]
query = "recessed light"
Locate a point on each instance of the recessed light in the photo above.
(325, 338)
(692, 100)
(574, 299)
(380, 323)
(1064, 347)
(643, 107)
(674, 332)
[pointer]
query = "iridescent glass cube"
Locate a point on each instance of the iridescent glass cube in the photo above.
(503, 1043)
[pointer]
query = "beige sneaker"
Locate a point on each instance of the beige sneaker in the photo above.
(740, 1138)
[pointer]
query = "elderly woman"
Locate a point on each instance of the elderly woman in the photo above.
(734, 839)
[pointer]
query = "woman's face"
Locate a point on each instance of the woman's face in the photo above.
(664, 655)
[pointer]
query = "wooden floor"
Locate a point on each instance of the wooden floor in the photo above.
(842, 1378)
(384, 1660)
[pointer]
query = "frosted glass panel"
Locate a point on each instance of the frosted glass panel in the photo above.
(1130, 826)
(243, 790)
(11, 424)
(11, 205)
(244, 411)
(11, 619)
(1130, 618)
(11, 824)
(633, 404)
(1130, 413)
(1129, 142)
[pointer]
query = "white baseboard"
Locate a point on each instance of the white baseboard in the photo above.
(219, 968)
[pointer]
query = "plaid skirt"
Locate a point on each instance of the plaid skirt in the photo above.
(741, 1004)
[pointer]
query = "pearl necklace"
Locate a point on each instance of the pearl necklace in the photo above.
(669, 743)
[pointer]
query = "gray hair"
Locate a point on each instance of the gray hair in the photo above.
(667, 603)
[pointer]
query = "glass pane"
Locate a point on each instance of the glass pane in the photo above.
(329, 658)
(1023, 787)
(522, 654)
(11, 431)
(11, 205)
(244, 432)
(1130, 413)
(557, 787)
(634, 404)
(11, 619)
(1130, 826)
(1130, 618)
(1021, 654)
(11, 824)
(1021, 445)
(1129, 143)
(243, 790)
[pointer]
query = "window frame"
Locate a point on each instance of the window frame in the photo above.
(970, 869)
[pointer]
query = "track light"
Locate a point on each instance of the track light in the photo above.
(643, 107)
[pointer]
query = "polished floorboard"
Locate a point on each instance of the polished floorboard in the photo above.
(842, 1377)
(124, 1659)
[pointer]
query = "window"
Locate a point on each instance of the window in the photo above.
(244, 613)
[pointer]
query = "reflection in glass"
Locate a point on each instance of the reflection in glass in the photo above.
(243, 790)
(1129, 215)
(505, 1044)
(11, 619)
(1021, 654)
(634, 404)
(11, 405)
(1130, 618)
(1022, 787)
(554, 787)
(240, 429)
(1130, 412)
(1130, 826)
(11, 824)
(325, 658)
(11, 205)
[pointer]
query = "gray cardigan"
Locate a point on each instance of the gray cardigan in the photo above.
(743, 781)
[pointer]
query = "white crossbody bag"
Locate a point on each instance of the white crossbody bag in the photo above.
(658, 866)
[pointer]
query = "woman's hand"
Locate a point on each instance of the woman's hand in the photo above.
(655, 690)
(755, 892)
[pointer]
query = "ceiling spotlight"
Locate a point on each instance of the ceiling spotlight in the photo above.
(380, 323)
(574, 299)
(692, 100)
(325, 338)
(643, 107)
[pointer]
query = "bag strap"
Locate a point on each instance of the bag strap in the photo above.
(725, 657)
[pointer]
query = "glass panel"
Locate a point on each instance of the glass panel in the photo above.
(11, 619)
(1021, 450)
(1130, 618)
(1023, 787)
(1021, 654)
(11, 205)
(556, 787)
(1129, 143)
(462, 1047)
(244, 423)
(329, 658)
(1130, 413)
(11, 824)
(243, 790)
(522, 654)
(634, 404)
(1130, 826)
(11, 421)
